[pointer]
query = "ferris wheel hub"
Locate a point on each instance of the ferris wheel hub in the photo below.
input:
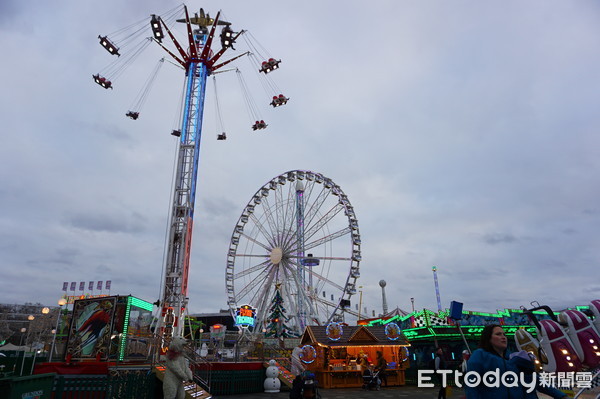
(276, 255)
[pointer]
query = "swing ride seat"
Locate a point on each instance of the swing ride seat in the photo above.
(132, 115)
(108, 45)
(269, 66)
(278, 101)
(222, 136)
(258, 125)
(102, 81)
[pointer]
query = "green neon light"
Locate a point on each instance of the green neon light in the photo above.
(443, 331)
(138, 303)
(123, 342)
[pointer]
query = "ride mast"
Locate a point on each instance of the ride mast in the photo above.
(199, 62)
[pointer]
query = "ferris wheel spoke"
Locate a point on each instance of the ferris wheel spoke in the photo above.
(289, 218)
(269, 215)
(328, 238)
(261, 228)
(321, 278)
(254, 283)
(329, 303)
(263, 296)
(301, 291)
(251, 270)
(278, 211)
(255, 241)
(288, 292)
(326, 218)
(313, 229)
(316, 205)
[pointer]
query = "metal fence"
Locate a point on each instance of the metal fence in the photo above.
(120, 386)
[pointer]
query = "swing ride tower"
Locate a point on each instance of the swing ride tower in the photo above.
(197, 58)
(198, 62)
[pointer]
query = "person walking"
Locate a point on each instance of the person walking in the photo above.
(297, 366)
(440, 364)
(380, 366)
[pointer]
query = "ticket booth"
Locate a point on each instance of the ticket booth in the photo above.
(332, 352)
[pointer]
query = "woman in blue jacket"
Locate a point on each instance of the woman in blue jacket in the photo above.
(525, 364)
(492, 356)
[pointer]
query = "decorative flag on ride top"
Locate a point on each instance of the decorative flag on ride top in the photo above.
(91, 286)
(82, 286)
(99, 286)
(65, 286)
(73, 284)
(107, 285)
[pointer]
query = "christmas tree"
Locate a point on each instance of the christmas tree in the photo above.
(277, 327)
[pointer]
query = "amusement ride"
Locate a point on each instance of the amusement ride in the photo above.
(196, 56)
(298, 238)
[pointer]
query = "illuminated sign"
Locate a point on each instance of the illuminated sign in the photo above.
(334, 331)
(452, 332)
(392, 331)
(245, 316)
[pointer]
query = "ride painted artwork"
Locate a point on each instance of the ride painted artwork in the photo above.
(91, 328)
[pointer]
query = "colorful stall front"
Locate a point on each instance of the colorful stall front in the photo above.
(113, 328)
(333, 353)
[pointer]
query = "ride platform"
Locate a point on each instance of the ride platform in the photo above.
(192, 390)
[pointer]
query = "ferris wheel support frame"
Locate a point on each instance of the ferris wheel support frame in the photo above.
(300, 250)
(268, 244)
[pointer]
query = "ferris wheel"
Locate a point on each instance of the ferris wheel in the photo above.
(297, 239)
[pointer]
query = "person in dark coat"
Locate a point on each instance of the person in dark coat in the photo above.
(440, 364)
(381, 365)
(296, 391)
(492, 356)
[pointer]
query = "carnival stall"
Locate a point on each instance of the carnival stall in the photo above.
(334, 353)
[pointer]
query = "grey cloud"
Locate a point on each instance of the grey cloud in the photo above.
(135, 223)
(499, 238)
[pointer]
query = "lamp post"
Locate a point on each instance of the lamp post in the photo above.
(30, 318)
(45, 311)
(61, 303)
(23, 329)
(359, 302)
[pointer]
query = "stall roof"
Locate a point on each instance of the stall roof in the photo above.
(351, 335)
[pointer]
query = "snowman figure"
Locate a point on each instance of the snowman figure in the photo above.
(272, 383)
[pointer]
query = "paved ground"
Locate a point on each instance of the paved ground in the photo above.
(385, 393)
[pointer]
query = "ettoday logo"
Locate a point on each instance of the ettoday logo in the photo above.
(492, 379)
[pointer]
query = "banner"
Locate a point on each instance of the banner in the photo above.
(91, 286)
(65, 286)
(82, 286)
(99, 286)
(73, 284)
(107, 285)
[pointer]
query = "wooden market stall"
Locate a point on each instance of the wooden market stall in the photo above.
(334, 359)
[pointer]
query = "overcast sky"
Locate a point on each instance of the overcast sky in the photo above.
(465, 134)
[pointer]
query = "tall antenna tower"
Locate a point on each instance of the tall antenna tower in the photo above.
(382, 284)
(437, 288)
